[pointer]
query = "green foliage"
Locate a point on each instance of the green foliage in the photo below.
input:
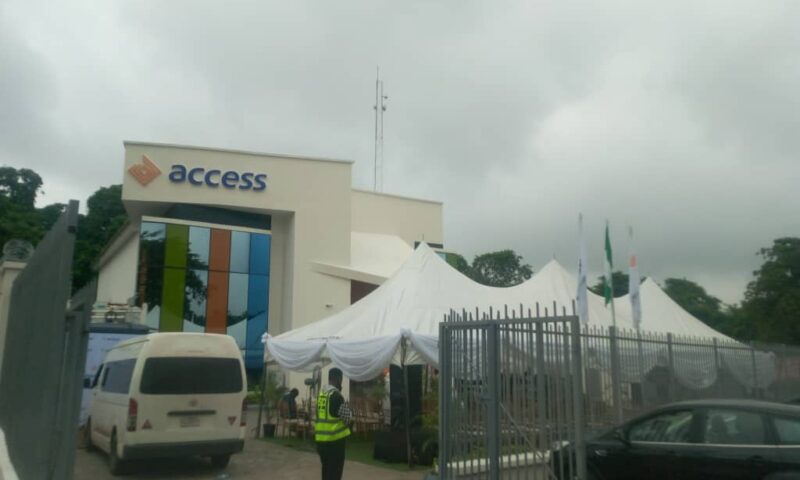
(619, 280)
(19, 218)
(105, 215)
(772, 299)
(458, 262)
(503, 268)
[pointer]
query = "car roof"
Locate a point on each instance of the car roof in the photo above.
(740, 403)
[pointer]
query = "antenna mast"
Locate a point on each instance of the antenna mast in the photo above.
(380, 108)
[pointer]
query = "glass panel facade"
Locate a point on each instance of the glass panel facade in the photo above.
(240, 252)
(199, 247)
(200, 279)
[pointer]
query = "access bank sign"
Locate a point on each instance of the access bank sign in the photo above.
(147, 171)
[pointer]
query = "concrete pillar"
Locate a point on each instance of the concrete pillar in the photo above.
(8, 272)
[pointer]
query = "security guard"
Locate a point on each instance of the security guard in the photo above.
(332, 426)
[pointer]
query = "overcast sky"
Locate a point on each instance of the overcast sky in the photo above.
(679, 118)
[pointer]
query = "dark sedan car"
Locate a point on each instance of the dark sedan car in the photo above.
(703, 439)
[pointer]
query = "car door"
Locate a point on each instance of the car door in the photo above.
(734, 444)
(787, 432)
(649, 448)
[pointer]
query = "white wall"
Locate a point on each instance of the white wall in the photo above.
(408, 218)
(116, 279)
(8, 272)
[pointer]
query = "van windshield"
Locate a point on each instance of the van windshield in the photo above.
(191, 376)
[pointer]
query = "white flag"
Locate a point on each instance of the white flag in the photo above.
(633, 286)
(582, 296)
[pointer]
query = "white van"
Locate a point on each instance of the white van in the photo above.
(170, 394)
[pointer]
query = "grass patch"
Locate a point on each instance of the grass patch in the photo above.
(358, 450)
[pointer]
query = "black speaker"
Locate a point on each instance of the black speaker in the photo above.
(397, 396)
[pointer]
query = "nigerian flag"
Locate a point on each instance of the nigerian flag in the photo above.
(608, 267)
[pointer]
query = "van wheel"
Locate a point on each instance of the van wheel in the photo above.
(220, 461)
(115, 464)
(87, 441)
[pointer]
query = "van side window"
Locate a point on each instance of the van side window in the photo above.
(118, 376)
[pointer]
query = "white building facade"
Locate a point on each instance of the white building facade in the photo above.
(242, 243)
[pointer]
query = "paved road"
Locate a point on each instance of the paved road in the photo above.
(260, 460)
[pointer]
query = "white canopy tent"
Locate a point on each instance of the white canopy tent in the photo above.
(398, 323)
(405, 310)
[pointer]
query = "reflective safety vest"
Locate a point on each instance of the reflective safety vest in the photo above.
(327, 428)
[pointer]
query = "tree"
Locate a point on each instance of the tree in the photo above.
(694, 299)
(20, 186)
(105, 215)
(772, 299)
(503, 268)
(620, 284)
(458, 262)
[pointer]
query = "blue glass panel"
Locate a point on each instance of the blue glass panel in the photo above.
(199, 241)
(237, 307)
(259, 253)
(257, 315)
(240, 252)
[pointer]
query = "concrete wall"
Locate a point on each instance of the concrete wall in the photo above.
(408, 218)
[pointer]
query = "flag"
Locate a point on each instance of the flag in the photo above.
(582, 296)
(608, 268)
(633, 285)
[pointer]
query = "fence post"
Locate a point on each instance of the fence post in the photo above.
(671, 360)
(541, 398)
(492, 374)
(715, 347)
(616, 377)
(577, 398)
(444, 398)
(755, 372)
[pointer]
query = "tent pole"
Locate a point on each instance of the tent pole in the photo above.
(261, 400)
(406, 407)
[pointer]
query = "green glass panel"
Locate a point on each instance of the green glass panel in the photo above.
(177, 245)
(172, 300)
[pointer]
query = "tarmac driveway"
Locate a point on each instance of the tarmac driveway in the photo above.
(260, 460)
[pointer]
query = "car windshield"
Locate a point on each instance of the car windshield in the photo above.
(191, 375)
(671, 427)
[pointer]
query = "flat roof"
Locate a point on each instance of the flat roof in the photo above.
(240, 152)
(402, 197)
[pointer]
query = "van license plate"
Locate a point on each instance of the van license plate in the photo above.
(190, 421)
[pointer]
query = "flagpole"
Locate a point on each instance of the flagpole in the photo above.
(610, 278)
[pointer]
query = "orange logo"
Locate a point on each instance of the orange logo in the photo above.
(145, 172)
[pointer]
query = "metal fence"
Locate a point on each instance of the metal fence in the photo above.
(516, 385)
(43, 359)
(510, 390)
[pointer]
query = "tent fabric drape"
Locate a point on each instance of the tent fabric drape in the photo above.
(364, 338)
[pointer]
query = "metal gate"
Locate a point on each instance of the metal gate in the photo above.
(44, 358)
(511, 396)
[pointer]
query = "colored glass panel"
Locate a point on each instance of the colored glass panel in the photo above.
(219, 256)
(217, 302)
(172, 300)
(257, 313)
(177, 246)
(240, 252)
(199, 246)
(151, 244)
(259, 253)
(195, 301)
(237, 307)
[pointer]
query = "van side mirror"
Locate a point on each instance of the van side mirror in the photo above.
(87, 382)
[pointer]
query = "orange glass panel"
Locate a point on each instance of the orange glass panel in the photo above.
(219, 257)
(217, 312)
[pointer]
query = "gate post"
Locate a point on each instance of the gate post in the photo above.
(671, 360)
(577, 398)
(492, 375)
(616, 377)
(541, 398)
(756, 392)
(444, 399)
